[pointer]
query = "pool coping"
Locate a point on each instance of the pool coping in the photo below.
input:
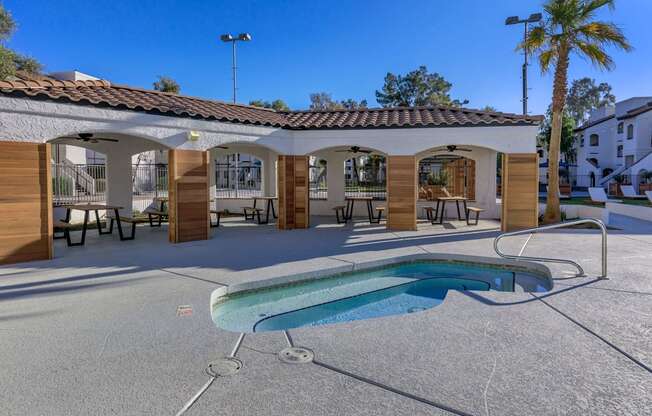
(322, 273)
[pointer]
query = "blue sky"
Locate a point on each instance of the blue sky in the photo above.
(341, 47)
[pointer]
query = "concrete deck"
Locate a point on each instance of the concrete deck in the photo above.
(95, 330)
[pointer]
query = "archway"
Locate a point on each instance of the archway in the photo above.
(241, 174)
(341, 174)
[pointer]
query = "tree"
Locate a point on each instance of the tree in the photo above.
(567, 141)
(584, 95)
(416, 88)
(167, 84)
(489, 108)
(569, 28)
(351, 104)
(11, 61)
(322, 101)
(278, 105)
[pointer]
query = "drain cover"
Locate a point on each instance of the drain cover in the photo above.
(416, 309)
(222, 367)
(296, 355)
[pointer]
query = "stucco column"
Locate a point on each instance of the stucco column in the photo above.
(269, 174)
(485, 183)
(119, 180)
(335, 177)
(212, 186)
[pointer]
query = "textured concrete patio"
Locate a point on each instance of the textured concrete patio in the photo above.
(95, 330)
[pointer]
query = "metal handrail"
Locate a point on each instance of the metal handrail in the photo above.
(533, 231)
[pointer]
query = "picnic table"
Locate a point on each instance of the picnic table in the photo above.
(87, 208)
(270, 206)
(441, 209)
(350, 201)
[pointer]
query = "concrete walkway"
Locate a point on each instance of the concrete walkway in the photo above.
(95, 331)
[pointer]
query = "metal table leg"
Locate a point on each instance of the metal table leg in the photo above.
(99, 225)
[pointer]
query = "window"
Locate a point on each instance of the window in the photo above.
(630, 131)
(629, 160)
(594, 140)
(582, 141)
(621, 126)
(619, 151)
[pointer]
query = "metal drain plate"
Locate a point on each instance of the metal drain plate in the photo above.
(296, 355)
(222, 367)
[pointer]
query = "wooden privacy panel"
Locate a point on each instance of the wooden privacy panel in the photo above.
(402, 193)
(189, 195)
(293, 192)
(461, 178)
(520, 191)
(25, 202)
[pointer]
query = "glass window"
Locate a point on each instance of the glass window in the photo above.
(621, 126)
(620, 151)
(630, 131)
(582, 141)
(629, 160)
(594, 140)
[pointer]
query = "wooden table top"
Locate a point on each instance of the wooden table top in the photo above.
(360, 198)
(451, 198)
(266, 197)
(91, 207)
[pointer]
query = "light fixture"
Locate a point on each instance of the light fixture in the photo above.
(515, 20)
(243, 37)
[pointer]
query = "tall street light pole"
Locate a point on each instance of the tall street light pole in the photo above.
(245, 37)
(515, 20)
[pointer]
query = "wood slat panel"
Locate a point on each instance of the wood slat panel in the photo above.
(520, 191)
(189, 195)
(25, 202)
(293, 192)
(402, 192)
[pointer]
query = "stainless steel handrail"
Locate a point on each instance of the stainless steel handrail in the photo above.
(532, 231)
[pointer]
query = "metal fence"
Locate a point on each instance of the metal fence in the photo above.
(73, 183)
(318, 183)
(238, 181)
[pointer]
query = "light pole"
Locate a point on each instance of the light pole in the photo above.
(515, 20)
(245, 37)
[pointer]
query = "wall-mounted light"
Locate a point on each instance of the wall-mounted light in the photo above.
(193, 136)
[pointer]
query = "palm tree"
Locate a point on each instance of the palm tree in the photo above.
(569, 28)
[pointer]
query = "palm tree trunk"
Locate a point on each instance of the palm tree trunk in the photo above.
(553, 210)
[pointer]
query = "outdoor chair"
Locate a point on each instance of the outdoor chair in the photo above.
(629, 193)
(599, 196)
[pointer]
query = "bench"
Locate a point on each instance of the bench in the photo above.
(339, 209)
(129, 220)
(66, 228)
(155, 214)
(431, 213)
(218, 214)
(380, 210)
(250, 213)
(477, 211)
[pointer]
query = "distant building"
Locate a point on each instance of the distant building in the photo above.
(615, 140)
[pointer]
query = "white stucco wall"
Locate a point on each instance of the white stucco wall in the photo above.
(42, 121)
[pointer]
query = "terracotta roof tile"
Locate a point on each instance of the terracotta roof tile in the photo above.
(101, 92)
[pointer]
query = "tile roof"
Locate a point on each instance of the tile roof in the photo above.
(593, 123)
(103, 93)
(636, 111)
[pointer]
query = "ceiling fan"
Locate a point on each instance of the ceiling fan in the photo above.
(88, 138)
(453, 148)
(355, 149)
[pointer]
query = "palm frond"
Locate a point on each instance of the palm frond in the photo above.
(536, 38)
(604, 32)
(595, 54)
(590, 6)
(546, 58)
